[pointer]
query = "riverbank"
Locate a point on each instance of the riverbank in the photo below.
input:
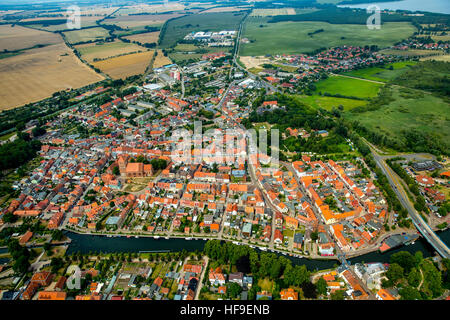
(204, 238)
(85, 243)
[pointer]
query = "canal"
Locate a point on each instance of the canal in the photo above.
(84, 243)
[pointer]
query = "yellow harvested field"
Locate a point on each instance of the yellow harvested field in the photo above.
(154, 8)
(272, 12)
(442, 57)
(37, 73)
(161, 60)
(17, 37)
(104, 50)
(125, 66)
(225, 9)
(141, 20)
(148, 37)
(409, 52)
(253, 62)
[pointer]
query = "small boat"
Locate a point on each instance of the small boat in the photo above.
(264, 249)
(167, 238)
(128, 236)
(205, 239)
(188, 238)
(156, 237)
(136, 237)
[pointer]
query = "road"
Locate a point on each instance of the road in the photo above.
(252, 76)
(200, 281)
(420, 224)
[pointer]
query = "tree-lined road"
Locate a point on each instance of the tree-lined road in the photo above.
(418, 221)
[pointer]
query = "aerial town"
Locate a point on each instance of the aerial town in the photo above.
(170, 156)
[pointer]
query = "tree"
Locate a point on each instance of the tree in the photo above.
(116, 171)
(309, 290)
(233, 289)
(404, 259)
(414, 278)
(394, 273)
(57, 235)
(21, 264)
(9, 217)
(321, 286)
(338, 295)
(409, 293)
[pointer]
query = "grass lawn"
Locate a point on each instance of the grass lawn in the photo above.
(423, 112)
(348, 87)
(288, 233)
(292, 37)
(265, 284)
(328, 103)
(382, 74)
(7, 136)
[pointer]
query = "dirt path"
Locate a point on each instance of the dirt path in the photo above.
(341, 75)
(200, 281)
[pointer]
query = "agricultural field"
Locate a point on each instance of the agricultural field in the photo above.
(328, 103)
(18, 38)
(37, 73)
(183, 52)
(292, 37)
(102, 50)
(225, 9)
(381, 74)
(139, 22)
(411, 109)
(349, 87)
(442, 57)
(161, 60)
(97, 10)
(272, 12)
(154, 8)
(85, 35)
(254, 62)
(148, 37)
(438, 36)
(177, 29)
(53, 24)
(409, 53)
(125, 66)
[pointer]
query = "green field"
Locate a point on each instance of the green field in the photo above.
(412, 109)
(180, 52)
(328, 103)
(348, 87)
(382, 74)
(84, 35)
(177, 29)
(292, 37)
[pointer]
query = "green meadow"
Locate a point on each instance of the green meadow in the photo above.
(411, 109)
(348, 87)
(292, 37)
(328, 103)
(382, 74)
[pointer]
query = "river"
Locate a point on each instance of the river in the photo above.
(437, 6)
(85, 243)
